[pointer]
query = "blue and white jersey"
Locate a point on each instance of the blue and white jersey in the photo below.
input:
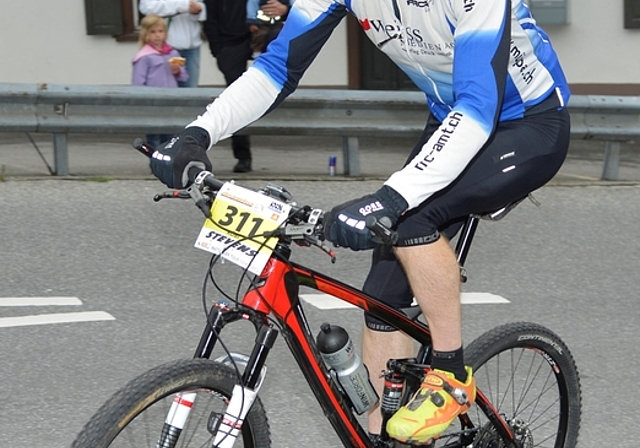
(478, 62)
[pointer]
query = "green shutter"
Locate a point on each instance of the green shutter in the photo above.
(104, 17)
(631, 14)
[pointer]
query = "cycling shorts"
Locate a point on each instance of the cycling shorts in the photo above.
(521, 156)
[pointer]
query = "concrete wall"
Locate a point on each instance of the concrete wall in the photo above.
(44, 41)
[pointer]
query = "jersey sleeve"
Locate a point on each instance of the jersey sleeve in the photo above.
(276, 73)
(481, 55)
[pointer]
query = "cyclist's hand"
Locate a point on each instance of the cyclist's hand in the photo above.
(172, 160)
(345, 224)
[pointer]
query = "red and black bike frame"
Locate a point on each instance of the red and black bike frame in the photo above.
(276, 292)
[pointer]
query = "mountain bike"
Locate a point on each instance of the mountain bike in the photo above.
(528, 385)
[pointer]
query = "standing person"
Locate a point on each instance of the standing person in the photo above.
(185, 19)
(156, 64)
(265, 19)
(229, 41)
(498, 129)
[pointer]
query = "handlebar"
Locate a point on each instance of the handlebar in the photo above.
(304, 222)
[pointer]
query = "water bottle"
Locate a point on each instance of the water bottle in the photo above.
(351, 374)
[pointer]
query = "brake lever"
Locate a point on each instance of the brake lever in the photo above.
(201, 200)
(171, 194)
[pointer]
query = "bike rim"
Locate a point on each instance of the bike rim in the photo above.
(146, 428)
(527, 389)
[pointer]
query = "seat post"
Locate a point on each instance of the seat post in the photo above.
(466, 236)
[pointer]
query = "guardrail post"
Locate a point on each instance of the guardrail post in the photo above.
(351, 156)
(611, 161)
(60, 154)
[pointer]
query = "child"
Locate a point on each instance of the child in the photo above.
(157, 64)
(265, 19)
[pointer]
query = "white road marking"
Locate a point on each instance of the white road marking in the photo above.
(476, 298)
(60, 318)
(39, 301)
(327, 302)
(45, 319)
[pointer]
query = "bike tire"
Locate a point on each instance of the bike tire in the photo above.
(134, 416)
(530, 377)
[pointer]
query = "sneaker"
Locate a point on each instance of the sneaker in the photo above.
(440, 399)
(243, 166)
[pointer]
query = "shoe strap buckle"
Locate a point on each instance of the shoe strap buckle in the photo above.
(457, 393)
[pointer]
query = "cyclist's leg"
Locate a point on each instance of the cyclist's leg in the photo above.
(434, 277)
(377, 348)
(521, 157)
(387, 281)
(380, 342)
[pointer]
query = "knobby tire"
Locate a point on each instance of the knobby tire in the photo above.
(530, 377)
(134, 416)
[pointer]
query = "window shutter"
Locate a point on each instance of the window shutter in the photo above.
(104, 17)
(631, 14)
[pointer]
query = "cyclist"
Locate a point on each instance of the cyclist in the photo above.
(498, 129)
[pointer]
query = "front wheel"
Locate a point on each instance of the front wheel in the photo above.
(135, 415)
(529, 376)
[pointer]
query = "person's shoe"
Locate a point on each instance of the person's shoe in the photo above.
(243, 166)
(440, 399)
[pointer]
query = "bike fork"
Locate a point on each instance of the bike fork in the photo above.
(225, 427)
(245, 394)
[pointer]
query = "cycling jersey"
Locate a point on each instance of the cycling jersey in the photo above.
(477, 61)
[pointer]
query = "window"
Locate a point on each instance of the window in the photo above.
(118, 18)
(631, 14)
(549, 12)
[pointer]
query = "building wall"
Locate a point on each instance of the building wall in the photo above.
(594, 48)
(45, 41)
(49, 44)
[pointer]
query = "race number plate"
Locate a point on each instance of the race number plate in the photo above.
(239, 219)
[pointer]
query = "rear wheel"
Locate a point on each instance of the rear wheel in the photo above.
(529, 376)
(135, 415)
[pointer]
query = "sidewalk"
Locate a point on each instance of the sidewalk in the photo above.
(299, 158)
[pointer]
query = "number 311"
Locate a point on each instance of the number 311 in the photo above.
(234, 217)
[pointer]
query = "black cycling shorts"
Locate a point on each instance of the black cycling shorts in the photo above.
(521, 156)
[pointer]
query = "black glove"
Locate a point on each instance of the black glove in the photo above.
(172, 161)
(345, 225)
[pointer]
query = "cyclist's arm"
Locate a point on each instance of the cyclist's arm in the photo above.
(276, 73)
(480, 63)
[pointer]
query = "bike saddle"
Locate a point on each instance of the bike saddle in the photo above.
(497, 215)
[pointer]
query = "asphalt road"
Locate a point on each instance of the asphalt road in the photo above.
(570, 264)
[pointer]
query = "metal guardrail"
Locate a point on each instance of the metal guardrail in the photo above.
(64, 109)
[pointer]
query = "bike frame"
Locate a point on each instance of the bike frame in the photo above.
(275, 293)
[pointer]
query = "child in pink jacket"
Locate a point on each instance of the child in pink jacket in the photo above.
(157, 64)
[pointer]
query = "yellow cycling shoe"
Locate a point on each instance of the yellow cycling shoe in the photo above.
(440, 399)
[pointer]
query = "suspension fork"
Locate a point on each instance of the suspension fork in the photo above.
(209, 338)
(244, 394)
(226, 427)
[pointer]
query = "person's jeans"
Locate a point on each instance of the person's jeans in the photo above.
(192, 65)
